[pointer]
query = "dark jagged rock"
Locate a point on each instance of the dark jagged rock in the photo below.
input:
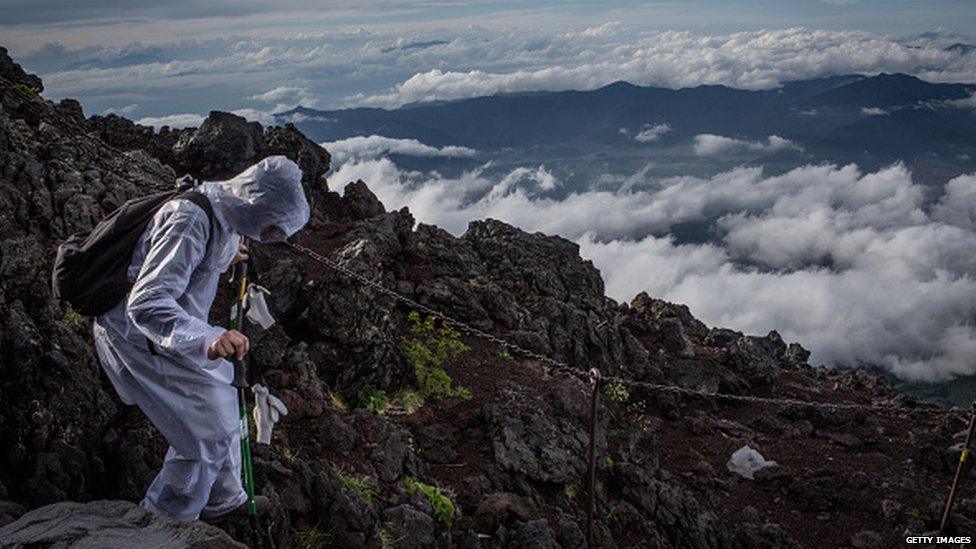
(10, 511)
(310, 157)
(358, 202)
(221, 147)
(13, 72)
(109, 524)
(410, 526)
(501, 508)
(540, 438)
(124, 134)
(71, 109)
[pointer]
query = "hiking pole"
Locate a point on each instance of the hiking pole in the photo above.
(963, 458)
(240, 381)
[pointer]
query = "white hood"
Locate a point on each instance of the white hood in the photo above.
(268, 193)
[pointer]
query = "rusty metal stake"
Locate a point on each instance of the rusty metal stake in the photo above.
(591, 465)
(963, 458)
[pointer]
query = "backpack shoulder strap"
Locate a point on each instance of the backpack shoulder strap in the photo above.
(204, 204)
(200, 200)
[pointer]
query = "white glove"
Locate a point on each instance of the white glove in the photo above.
(257, 308)
(268, 409)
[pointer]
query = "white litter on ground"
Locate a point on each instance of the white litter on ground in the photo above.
(746, 461)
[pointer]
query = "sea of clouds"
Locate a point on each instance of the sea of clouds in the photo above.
(862, 268)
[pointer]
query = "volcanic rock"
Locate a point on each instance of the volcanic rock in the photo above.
(109, 524)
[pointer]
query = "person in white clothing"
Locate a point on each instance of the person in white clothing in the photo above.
(162, 354)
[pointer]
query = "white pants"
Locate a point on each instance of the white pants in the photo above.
(201, 475)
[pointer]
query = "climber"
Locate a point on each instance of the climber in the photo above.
(161, 353)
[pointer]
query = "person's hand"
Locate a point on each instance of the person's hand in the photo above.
(241, 254)
(229, 343)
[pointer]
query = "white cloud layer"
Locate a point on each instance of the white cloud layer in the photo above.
(873, 111)
(860, 268)
(173, 120)
(707, 144)
(650, 133)
(375, 146)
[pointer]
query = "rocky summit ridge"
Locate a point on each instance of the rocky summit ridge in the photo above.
(403, 433)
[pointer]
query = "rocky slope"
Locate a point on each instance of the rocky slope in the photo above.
(360, 461)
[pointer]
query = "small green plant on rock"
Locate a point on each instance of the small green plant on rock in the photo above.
(337, 402)
(372, 399)
(431, 344)
(386, 538)
(573, 488)
(74, 319)
(618, 397)
(314, 538)
(359, 485)
(407, 400)
(32, 92)
(441, 502)
(615, 391)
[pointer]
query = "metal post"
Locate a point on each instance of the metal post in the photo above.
(963, 458)
(591, 465)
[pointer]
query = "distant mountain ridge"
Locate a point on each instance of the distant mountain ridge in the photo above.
(871, 120)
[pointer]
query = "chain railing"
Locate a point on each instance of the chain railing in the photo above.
(579, 373)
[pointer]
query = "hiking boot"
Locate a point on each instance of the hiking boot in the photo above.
(261, 503)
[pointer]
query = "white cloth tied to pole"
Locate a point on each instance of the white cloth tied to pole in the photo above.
(268, 410)
(257, 306)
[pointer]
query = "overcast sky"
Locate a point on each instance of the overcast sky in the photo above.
(180, 59)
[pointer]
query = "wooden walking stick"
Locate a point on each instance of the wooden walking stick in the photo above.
(963, 458)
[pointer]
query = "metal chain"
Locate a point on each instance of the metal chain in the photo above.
(566, 368)
(461, 326)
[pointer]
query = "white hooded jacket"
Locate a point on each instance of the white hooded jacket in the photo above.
(176, 278)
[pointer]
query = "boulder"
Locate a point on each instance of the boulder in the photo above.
(313, 160)
(411, 527)
(867, 539)
(496, 509)
(542, 438)
(358, 202)
(109, 523)
(224, 145)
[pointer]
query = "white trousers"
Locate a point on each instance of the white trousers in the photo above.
(201, 475)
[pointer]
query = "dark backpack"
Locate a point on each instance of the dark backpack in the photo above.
(91, 270)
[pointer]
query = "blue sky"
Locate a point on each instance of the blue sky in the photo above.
(182, 58)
